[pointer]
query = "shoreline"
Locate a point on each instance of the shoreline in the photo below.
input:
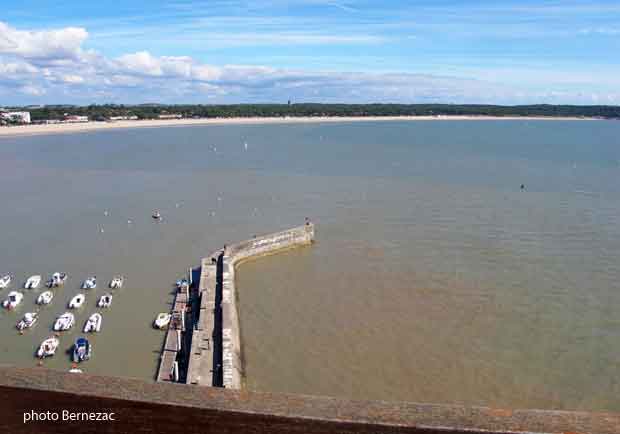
(44, 129)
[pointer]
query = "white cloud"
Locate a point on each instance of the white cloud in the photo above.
(141, 63)
(32, 90)
(607, 31)
(47, 44)
(14, 68)
(47, 64)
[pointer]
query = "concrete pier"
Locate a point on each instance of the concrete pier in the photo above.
(201, 355)
(215, 355)
(173, 342)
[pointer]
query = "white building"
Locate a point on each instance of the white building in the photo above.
(20, 117)
(124, 118)
(75, 118)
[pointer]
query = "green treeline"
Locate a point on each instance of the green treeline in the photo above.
(150, 111)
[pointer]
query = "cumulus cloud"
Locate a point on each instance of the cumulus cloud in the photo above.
(47, 44)
(52, 66)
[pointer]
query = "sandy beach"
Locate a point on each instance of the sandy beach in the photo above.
(31, 129)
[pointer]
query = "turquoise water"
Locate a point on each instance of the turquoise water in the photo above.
(435, 278)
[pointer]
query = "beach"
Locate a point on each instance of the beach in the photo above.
(64, 128)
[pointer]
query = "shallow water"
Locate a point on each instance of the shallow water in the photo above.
(434, 277)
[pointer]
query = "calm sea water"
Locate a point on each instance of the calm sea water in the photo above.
(434, 277)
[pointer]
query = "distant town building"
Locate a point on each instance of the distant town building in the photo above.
(123, 118)
(170, 116)
(18, 117)
(75, 118)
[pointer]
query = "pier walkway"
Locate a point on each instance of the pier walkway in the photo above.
(205, 340)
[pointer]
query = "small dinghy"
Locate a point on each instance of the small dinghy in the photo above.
(105, 300)
(33, 282)
(58, 279)
(5, 281)
(48, 347)
(77, 301)
(162, 320)
(45, 297)
(14, 298)
(90, 283)
(93, 324)
(183, 285)
(81, 350)
(75, 371)
(64, 322)
(117, 282)
(29, 319)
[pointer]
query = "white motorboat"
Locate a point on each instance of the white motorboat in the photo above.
(93, 324)
(5, 281)
(105, 300)
(81, 350)
(48, 347)
(33, 282)
(75, 371)
(162, 320)
(58, 279)
(45, 297)
(29, 319)
(64, 322)
(156, 215)
(183, 285)
(77, 301)
(90, 283)
(117, 282)
(13, 299)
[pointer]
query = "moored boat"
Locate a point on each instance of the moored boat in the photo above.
(29, 319)
(13, 299)
(64, 322)
(183, 285)
(162, 320)
(81, 350)
(57, 279)
(45, 297)
(105, 300)
(77, 301)
(90, 283)
(33, 282)
(93, 324)
(48, 347)
(5, 281)
(117, 282)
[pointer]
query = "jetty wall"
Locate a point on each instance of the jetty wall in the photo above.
(233, 255)
(215, 354)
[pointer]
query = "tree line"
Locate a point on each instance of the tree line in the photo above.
(152, 111)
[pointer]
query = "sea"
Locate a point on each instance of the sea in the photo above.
(459, 262)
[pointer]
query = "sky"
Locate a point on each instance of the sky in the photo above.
(351, 51)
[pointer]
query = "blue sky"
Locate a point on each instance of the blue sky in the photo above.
(507, 52)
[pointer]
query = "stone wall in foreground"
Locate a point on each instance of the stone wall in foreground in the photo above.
(148, 407)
